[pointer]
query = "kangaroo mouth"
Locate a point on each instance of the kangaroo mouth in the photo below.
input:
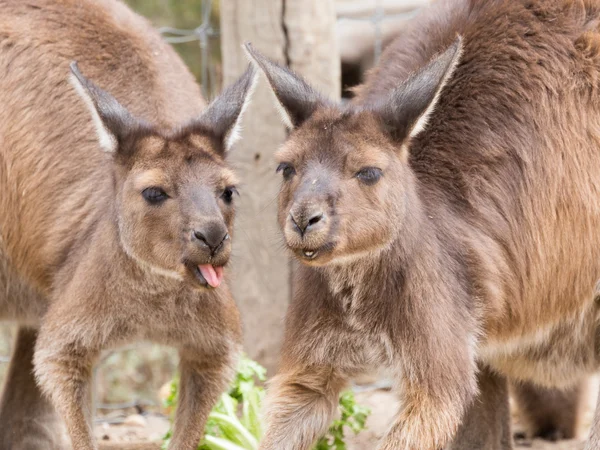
(308, 254)
(207, 275)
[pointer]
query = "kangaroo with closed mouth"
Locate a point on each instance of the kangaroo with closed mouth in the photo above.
(448, 223)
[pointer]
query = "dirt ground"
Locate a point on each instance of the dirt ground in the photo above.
(383, 404)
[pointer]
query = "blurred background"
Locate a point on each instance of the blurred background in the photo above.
(362, 28)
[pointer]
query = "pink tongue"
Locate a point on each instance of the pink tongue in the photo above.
(212, 275)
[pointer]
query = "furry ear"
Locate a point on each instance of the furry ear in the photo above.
(406, 112)
(223, 115)
(112, 121)
(297, 100)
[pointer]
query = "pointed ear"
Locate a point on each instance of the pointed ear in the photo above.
(297, 101)
(223, 116)
(406, 112)
(112, 121)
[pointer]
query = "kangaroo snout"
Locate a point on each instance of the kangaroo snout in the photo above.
(212, 237)
(308, 230)
(307, 220)
(208, 251)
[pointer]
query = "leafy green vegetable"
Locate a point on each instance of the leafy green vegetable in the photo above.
(352, 415)
(234, 423)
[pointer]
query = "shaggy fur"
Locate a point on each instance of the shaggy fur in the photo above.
(469, 242)
(86, 259)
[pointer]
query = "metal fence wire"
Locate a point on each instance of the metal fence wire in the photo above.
(381, 14)
(205, 32)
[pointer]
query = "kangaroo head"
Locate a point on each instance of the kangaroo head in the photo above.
(346, 175)
(175, 193)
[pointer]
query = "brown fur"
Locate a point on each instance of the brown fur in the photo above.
(84, 257)
(28, 420)
(484, 427)
(549, 413)
(480, 242)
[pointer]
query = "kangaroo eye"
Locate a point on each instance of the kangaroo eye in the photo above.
(154, 195)
(287, 170)
(227, 194)
(369, 175)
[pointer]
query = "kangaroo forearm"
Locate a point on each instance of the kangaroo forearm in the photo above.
(300, 407)
(202, 380)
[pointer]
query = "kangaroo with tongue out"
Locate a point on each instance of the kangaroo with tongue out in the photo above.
(212, 275)
(116, 215)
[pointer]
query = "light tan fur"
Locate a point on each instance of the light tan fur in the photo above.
(92, 254)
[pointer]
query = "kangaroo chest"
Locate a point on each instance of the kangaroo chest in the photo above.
(357, 340)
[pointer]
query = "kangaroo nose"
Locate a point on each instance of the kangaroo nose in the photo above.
(305, 221)
(212, 236)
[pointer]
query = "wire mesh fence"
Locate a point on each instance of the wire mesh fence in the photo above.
(376, 14)
(203, 33)
(381, 16)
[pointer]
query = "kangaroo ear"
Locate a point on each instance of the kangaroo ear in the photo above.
(297, 101)
(112, 121)
(406, 112)
(223, 116)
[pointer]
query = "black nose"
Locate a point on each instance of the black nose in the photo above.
(212, 236)
(306, 220)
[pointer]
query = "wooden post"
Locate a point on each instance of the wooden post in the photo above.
(301, 34)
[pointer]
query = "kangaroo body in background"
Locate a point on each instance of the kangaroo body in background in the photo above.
(448, 222)
(115, 214)
(551, 414)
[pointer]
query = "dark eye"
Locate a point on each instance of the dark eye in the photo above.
(369, 175)
(287, 170)
(227, 194)
(154, 195)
